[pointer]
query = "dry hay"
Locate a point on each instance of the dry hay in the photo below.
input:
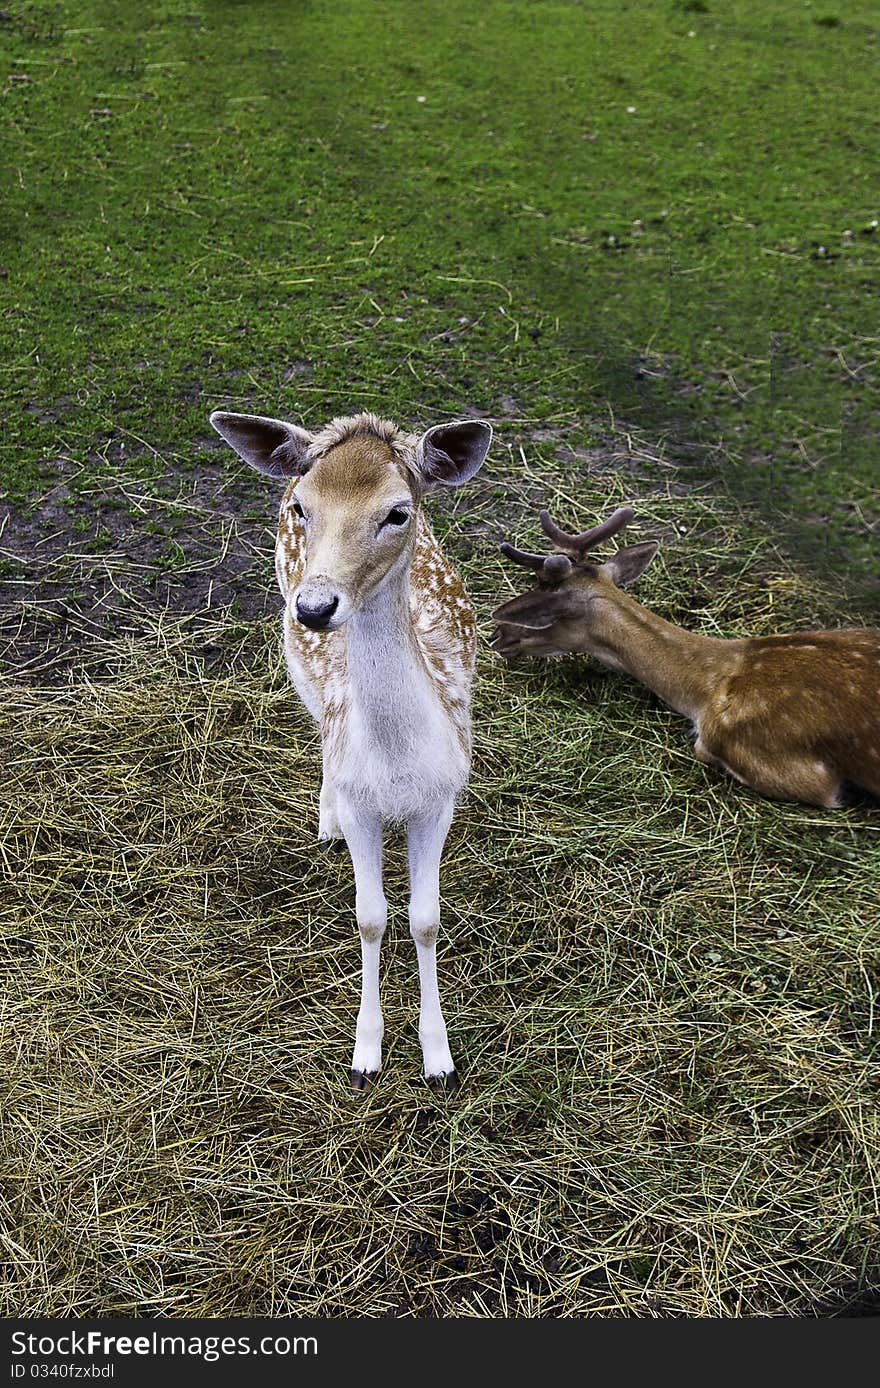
(660, 991)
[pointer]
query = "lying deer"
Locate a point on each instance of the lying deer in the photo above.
(380, 640)
(796, 717)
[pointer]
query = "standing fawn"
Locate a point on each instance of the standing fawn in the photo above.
(380, 640)
(796, 717)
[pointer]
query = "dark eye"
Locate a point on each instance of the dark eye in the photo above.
(299, 510)
(396, 516)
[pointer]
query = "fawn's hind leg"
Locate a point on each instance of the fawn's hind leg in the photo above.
(328, 817)
(328, 813)
(426, 837)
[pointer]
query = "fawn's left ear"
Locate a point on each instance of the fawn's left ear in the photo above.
(449, 454)
(629, 564)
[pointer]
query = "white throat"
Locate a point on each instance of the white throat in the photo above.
(399, 747)
(389, 683)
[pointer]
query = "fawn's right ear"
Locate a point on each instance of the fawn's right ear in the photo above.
(269, 445)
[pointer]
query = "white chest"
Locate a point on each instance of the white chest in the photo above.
(395, 731)
(390, 689)
(398, 758)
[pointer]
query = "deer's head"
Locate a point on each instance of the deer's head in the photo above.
(572, 591)
(353, 491)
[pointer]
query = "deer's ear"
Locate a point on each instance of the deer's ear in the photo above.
(449, 454)
(269, 445)
(538, 609)
(629, 564)
(527, 611)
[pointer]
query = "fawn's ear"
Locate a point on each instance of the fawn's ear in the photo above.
(269, 445)
(449, 454)
(629, 564)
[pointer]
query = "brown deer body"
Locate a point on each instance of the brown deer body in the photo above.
(796, 717)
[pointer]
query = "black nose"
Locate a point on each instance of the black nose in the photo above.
(316, 617)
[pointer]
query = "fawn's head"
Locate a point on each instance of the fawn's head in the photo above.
(354, 489)
(572, 591)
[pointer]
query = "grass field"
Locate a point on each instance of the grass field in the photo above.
(642, 240)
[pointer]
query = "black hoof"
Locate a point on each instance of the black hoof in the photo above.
(362, 1079)
(444, 1084)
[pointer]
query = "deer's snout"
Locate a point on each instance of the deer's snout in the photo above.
(316, 604)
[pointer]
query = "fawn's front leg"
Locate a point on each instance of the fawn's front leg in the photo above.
(426, 837)
(363, 834)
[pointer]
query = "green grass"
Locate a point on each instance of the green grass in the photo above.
(661, 990)
(251, 204)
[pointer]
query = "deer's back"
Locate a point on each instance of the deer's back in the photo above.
(809, 694)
